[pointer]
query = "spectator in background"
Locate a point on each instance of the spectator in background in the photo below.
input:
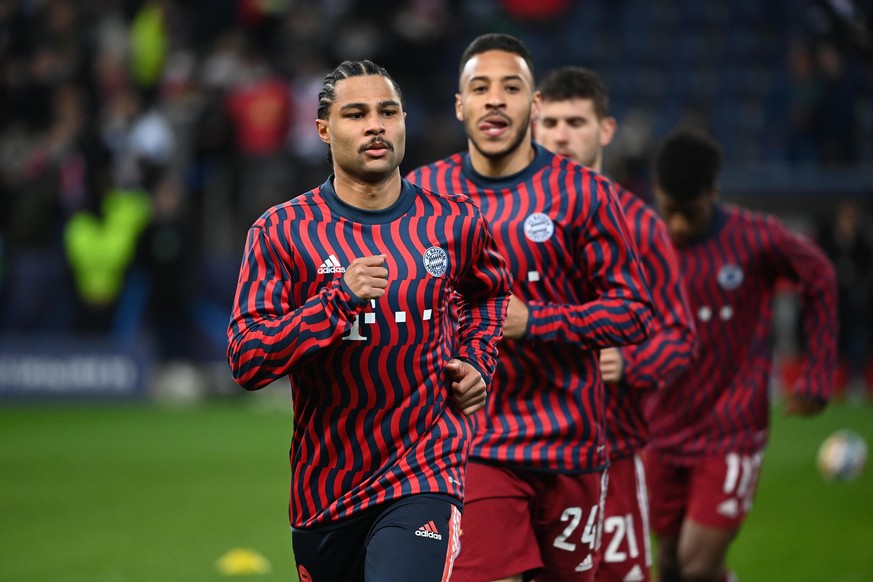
(259, 106)
(45, 170)
(163, 266)
(795, 103)
(834, 116)
(848, 241)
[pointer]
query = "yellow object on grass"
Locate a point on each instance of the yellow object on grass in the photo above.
(241, 562)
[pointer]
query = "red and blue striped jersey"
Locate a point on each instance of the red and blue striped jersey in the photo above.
(373, 415)
(722, 402)
(658, 361)
(574, 264)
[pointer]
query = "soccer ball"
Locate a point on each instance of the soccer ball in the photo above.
(842, 456)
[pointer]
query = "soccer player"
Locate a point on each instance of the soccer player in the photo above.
(709, 430)
(535, 477)
(350, 290)
(574, 121)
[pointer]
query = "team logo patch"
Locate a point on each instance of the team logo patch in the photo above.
(436, 261)
(538, 227)
(730, 277)
(303, 574)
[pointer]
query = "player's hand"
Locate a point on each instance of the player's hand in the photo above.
(611, 365)
(367, 277)
(516, 319)
(797, 405)
(468, 387)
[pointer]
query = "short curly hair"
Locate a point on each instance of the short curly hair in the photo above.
(496, 41)
(686, 164)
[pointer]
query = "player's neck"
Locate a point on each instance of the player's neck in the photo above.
(597, 163)
(511, 163)
(368, 195)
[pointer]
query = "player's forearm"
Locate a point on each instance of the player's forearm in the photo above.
(661, 359)
(594, 325)
(480, 328)
(818, 295)
(819, 363)
(264, 346)
(483, 303)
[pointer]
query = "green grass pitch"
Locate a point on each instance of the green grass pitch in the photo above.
(145, 493)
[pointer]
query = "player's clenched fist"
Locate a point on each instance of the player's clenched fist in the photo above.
(367, 277)
(611, 365)
(468, 387)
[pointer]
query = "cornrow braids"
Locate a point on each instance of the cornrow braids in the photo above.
(346, 70)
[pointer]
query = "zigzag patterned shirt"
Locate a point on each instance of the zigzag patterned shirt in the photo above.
(373, 415)
(576, 267)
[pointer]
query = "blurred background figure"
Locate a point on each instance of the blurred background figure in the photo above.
(848, 240)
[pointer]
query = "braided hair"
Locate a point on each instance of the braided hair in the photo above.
(346, 70)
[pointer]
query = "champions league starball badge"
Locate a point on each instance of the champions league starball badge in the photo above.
(436, 261)
(538, 227)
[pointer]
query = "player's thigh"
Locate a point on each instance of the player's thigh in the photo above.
(626, 553)
(332, 553)
(415, 539)
(497, 537)
(568, 520)
(723, 488)
(669, 490)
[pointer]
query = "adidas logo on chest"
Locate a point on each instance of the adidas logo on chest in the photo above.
(331, 265)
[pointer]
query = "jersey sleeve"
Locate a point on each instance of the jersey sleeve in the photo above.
(669, 350)
(621, 312)
(800, 260)
(483, 298)
(268, 337)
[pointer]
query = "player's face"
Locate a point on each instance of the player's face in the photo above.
(366, 128)
(686, 220)
(495, 103)
(571, 128)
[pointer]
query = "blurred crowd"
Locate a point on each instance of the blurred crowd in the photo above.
(140, 138)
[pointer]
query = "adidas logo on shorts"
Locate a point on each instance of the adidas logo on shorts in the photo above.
(331, 265)
(585, 564)
(428, 530)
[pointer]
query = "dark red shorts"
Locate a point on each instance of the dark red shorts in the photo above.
(626, 553)
(712, 491)
(537, 523)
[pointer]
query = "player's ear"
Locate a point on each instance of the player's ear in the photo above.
(323, 133)
(459, 109)
(536, 104)
(608, 125)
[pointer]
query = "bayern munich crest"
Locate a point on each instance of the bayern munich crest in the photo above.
(538, 227)
(436, 261)
(730, 277)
